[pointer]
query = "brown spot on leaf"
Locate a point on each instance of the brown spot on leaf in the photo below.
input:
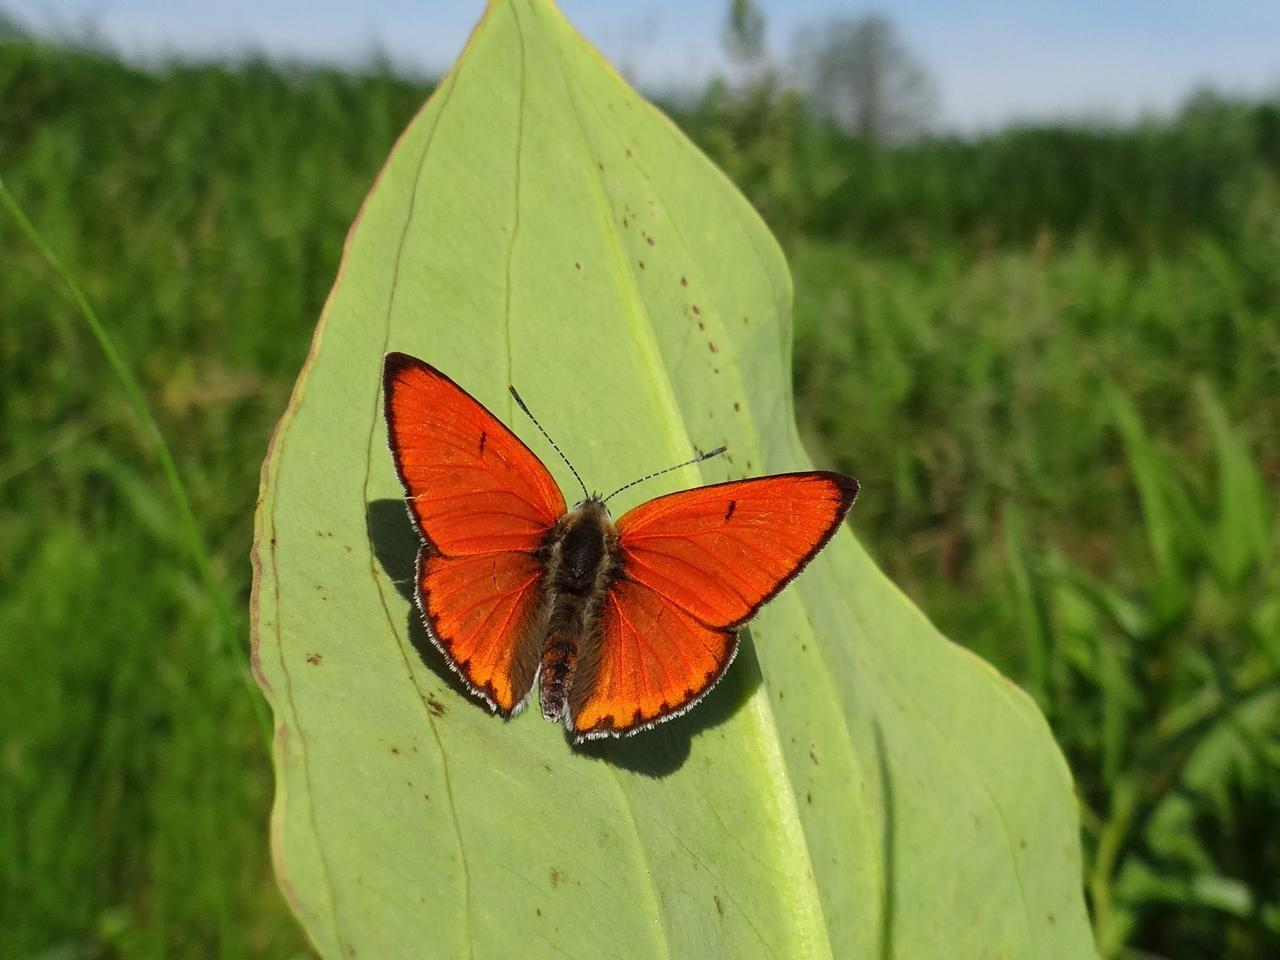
(696, 311)
(315, 659)
(684, 282)
(719, 905)
(578, 264)
(556, 877)
(813, 753)
(711, 345)
(435, 706)
(737, 407)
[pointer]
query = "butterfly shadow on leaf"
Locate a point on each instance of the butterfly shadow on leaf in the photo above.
(656, 752)
(395, 545)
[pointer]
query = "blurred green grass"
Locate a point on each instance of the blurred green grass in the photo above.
(1000, 338)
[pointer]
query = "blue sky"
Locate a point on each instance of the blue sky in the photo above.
(992, 61)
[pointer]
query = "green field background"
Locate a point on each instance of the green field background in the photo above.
(1052, 356)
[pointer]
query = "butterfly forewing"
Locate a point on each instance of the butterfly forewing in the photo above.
(719, 552)
(483, 503)
(472, 484)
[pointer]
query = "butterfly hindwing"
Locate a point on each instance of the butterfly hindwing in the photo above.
(487, 615)
(483, 503)
(648, 660)
(695, 566)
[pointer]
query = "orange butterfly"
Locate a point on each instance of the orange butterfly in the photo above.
(627, 625)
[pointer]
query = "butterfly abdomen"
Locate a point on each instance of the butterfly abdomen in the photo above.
(581, 557)
(559, 660)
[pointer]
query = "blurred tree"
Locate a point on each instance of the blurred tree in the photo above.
(744, 32)
(858, 73)
(743, 39)
(11, 29)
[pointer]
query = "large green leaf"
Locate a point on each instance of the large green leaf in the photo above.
(857, 786)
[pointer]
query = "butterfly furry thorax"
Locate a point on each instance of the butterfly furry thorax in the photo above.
(623, 624)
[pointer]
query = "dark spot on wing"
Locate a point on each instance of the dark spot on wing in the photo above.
(483, 438)
(728, 514)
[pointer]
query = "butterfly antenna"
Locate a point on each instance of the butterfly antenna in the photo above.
(528, 413)
(657, 473)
